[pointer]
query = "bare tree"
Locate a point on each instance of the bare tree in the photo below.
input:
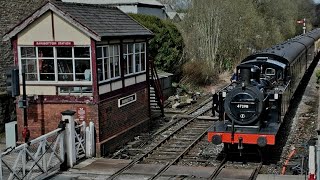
(220, 33)
(203, 32)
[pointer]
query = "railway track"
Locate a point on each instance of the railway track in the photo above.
(170, 144)
(180, 143)
(176, 142)
(229, 170)
(178, 146)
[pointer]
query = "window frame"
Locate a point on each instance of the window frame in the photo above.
(55, 59)
(126, 54)
(107, 58)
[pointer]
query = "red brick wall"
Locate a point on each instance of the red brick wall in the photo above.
(110, 121)
(114, 120)
(45, 117)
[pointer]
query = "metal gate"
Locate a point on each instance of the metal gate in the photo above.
(80, 140)
(43, 156)
(37, 159)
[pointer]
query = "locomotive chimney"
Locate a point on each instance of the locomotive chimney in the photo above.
(245, 75)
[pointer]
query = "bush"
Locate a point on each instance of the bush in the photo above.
(199, 73)
(166, 46)
(318, 76)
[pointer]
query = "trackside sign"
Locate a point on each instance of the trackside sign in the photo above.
(127, 100)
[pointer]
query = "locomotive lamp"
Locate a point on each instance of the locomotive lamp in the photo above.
(224, 94)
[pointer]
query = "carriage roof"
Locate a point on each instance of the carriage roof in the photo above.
(289, 50)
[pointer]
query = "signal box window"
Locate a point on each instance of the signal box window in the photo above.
(108, 58)
(29, 61)
(134, 58)
(67, 64)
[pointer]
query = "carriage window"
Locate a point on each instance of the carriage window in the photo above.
(270, 71)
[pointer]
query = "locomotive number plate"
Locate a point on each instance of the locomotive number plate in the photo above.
(243, 106)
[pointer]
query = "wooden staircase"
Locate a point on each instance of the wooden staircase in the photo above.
(156, 95)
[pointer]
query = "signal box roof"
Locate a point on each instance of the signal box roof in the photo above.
(96, 21)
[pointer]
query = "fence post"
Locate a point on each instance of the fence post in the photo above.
(63, 150)
(90, 144)
(93, 143)
(318, 151)
(44, 160)
(312, 159)
(1, 176)
(70, 149)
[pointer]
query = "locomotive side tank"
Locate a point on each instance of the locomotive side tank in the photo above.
(252, 108)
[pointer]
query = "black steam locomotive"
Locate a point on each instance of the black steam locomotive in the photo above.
(252, 108)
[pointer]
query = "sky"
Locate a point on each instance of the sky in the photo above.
(316, 1)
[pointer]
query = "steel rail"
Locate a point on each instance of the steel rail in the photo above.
(219, 168)
(152, 137)
(193, 110)
(167, 166)
(254, 175)
(141, 157)
(207, 101)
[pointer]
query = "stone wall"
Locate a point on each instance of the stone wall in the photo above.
(12, 12)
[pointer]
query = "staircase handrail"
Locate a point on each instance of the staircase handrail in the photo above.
(156, 83)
